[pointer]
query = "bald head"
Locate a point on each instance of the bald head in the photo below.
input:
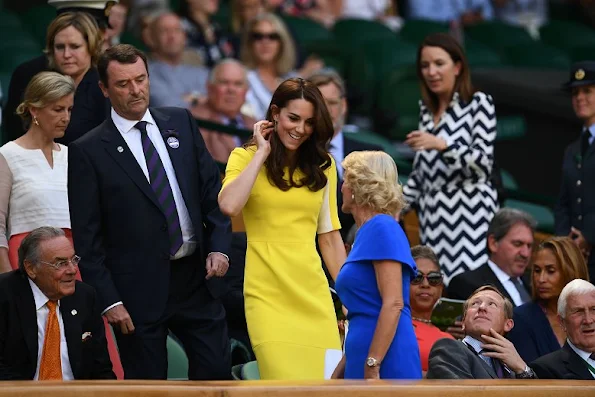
(227, 87)
(168, 36)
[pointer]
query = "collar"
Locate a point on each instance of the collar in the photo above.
(591, 130)
(38, 296)
(337, 141)
(500, 274)
(474, 343)
(124, 125)
(581, 353)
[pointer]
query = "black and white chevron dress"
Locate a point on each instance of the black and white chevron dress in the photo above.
(452, 189)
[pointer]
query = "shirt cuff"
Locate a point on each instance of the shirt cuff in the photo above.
(216, 252)
(111, 307)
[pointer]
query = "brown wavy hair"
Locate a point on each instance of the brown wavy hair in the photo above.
(312, 158)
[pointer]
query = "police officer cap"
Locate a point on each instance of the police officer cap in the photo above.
(99, 9)
(581, 73)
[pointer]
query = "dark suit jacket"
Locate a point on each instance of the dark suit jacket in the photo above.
(532, 334)
(561, 364)
(576, 202)
(119, 228)
(18, 331)
(464, 284)
(349, 145)
(453, 359)
(11, 123)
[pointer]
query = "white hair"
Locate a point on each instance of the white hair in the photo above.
(227, 61)
(575, 287)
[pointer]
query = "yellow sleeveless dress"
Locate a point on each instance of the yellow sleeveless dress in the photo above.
(289, 309)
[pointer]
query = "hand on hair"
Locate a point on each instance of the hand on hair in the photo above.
(580, 241)
(262, 132)
(421, 140)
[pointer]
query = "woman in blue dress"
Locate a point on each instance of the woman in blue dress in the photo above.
(374, 282)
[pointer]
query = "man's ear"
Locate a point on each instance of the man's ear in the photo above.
(508, 325)
(492, 243)
(103, 89)
(30, 269)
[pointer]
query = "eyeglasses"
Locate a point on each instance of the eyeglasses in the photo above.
(62, 264)
(256, 36)
(434, 278)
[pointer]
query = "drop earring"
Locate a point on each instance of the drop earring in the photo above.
(35, 120)
(275, 126)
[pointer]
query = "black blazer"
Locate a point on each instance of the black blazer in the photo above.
(561, 364)
(453, 359)
(119, 229)
(18, 331)
(464, 284)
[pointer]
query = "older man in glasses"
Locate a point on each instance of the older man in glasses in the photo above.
(50, 324)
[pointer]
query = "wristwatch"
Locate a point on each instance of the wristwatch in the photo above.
(526, 374)
(372, 362)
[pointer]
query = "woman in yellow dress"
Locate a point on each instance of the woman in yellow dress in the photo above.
(284, 183)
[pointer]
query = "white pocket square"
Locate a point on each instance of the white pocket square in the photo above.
(87, 336)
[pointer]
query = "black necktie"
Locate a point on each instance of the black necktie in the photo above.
(585, 142)
(162, 189)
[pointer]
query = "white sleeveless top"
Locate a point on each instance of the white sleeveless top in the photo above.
(37, 194)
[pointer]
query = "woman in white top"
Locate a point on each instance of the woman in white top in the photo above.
(33, 168)
(268, 51)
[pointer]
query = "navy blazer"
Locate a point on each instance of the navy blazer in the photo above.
(89, 359)
(532, 334)
(119, 229)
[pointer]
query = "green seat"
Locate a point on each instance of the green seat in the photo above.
(567, 35)
(542, 214)
(177, 361)
(359, 75)
(508, 180)
(37, 19)
(9, 21)
(223, 15)
(498, 35)
(480, 55)
(510, 128)
(415, 30)
(129, 38)
(388, 54)
(538, 55)
(352, 33)
(10, 60)
(401, 99)
(236, 372)
(250, 371)
(239, 352)
(578, 54)
(306, 31)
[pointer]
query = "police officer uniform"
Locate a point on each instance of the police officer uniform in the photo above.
(11, 123)
(576, 202)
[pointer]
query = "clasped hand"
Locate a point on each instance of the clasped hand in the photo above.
(421, 140)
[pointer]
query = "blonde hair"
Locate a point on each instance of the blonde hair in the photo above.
(286, 58)
(570, 260)
(43, 89)
(82, 22)
(372, 176)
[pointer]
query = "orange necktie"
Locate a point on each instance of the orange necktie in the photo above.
(51, 364)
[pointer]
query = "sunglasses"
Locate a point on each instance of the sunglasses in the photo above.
(434, 278)
(255, 36)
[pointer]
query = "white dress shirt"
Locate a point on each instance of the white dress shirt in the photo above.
(42, 316)
(338, 152)
(584, 355)
(506, 283)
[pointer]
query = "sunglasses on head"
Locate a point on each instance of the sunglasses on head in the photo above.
(256, 36)
(434, 278)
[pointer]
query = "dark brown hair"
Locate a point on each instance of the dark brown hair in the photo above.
(121, 53)
(508, 307)
(569, 257)
(463, 81)
(311, 157)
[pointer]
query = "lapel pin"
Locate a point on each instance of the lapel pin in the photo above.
(120, 149)
(73, 312)
(173, 142)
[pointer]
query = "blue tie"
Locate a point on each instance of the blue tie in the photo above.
(162, 188)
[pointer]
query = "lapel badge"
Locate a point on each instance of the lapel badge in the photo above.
(73, 312)
(120, 149)
(579, 74)
(173, 142)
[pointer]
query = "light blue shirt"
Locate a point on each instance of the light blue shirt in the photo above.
(591, 130)
(169, 84)
(448, 10)
(337, 151)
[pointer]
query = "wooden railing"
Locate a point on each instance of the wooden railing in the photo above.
(425, 388)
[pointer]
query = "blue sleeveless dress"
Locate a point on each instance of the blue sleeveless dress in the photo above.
(380, 238)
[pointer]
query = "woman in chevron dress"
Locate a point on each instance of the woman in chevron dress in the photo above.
(450, 183)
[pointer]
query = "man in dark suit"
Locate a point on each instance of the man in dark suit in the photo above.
(575, 210)
(143, 189)
(332, 87)
(11, 122)
(484, 353)
(50, 324)
(509, 243)
(576, 359)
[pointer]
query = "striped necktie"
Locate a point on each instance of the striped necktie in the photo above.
(162, 188)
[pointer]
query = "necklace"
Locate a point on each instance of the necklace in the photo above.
(421, 320)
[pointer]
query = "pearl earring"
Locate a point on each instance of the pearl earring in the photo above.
(353, 196)
(35, 120)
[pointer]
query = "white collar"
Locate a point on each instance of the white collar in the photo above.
(124, 125)
(40, 298)
(337, 140)
(591, 130)
(581, 353)
(502, 276)
(474, 343)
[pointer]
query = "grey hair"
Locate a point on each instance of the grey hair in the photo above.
(226, 61)
(29, 249)
(505, 219)
(575, 287)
